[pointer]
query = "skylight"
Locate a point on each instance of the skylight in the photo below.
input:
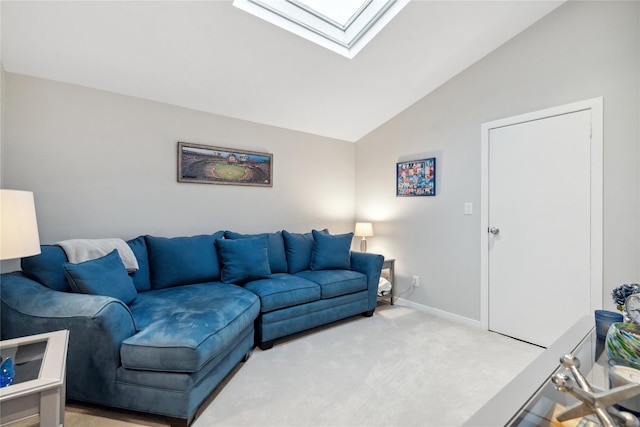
(343, 26)
(340, 12)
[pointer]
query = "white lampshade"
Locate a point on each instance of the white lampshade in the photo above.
(18, 225)
(364, 229)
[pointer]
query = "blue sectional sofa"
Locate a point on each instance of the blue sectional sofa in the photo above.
(161, 338)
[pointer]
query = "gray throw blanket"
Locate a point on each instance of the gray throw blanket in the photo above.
(80, 250)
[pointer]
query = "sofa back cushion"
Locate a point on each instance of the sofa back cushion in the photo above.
(183, 260)
(46, 268)
(331, 252)
(106, 276)
(141, 278)
(275, 249)
(244, 260)
(298, 248)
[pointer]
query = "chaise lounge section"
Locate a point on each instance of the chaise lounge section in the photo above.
(161, 338)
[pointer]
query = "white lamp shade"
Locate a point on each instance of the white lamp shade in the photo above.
(364, 229)
(18, 225)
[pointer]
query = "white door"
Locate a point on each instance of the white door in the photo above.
(540, 233)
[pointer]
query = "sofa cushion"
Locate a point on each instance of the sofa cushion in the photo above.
(282, 290)
(141, 277)
(331, 252)
(105, 276)
(46, 267)
(183, 260)
(277, 255)
(334, 283)
(298, 248)
(182, 328)
(244, 259)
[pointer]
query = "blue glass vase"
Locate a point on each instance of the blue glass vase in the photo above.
(604, 319)
(6, 372)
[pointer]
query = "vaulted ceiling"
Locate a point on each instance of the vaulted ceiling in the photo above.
(213, 57)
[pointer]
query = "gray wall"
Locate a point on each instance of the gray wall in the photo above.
(105, 165)
(580, 51)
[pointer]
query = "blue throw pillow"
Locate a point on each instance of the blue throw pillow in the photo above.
(298, 249)
(244, 260)
(275, 248)
(331, 252)
(183, 260)
(102, 276)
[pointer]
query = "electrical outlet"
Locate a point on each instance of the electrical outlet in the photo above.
(415, 282)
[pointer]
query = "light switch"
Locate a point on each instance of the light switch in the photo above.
(468, 208)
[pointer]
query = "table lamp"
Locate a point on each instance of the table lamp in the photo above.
(364, 230)
(18, 225)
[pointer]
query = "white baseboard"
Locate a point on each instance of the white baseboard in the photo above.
(439, 313)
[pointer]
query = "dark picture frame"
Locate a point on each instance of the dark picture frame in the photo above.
(206, 164)
(416, 178)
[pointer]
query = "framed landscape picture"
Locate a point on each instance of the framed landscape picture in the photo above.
(416, 178)
(205, 164)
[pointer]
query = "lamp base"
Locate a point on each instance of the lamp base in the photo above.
(363, 245)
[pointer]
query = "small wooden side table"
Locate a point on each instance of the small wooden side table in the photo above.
(40, 364)
(390, 264)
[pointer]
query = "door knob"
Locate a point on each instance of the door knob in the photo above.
(494, 230)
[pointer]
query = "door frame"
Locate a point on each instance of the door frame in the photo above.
(595, 106)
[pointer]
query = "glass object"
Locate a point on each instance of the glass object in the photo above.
(604, 319)
(27, 360)
(623, 343)
(6, 372)
(621, 374)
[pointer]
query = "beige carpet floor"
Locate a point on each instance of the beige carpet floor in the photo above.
(398, 368)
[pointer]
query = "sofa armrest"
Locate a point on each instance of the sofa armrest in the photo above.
(370, 265)
(97, 326)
